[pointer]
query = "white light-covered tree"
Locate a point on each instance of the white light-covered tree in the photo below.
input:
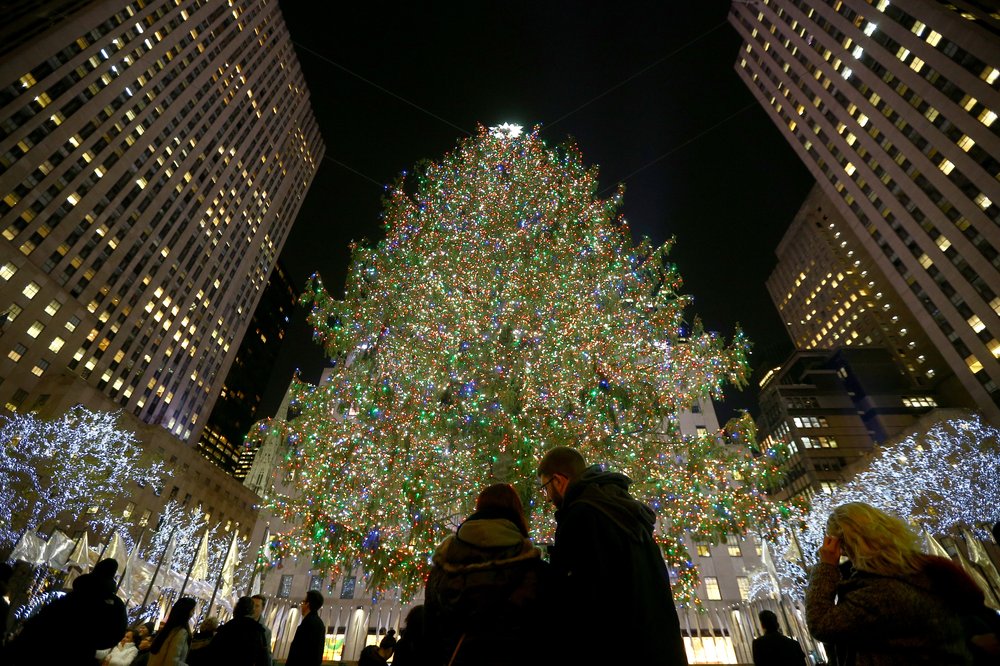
(940, 479)
(59, 468)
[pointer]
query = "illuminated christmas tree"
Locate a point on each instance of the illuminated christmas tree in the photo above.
(507, 310)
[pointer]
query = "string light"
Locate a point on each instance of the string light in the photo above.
(507, 310)
(939, 479)
(59, 468)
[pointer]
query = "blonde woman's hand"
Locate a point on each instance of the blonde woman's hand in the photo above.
(829, 552)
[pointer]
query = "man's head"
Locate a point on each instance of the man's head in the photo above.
(768, 621)
(106, 568)
(559, 467)
(388, 644)
(258, 605)
(244, 607)
(312, 603)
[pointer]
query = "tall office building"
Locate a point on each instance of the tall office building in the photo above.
(153, 156)
(893, 107)
(831, 293)
(831, 408)
(242, 391)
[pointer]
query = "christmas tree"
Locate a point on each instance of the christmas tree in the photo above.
(506, 311)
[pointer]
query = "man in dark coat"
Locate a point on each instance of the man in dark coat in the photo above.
(609, 577)
(307, 646)
(774, 648)
(239, 641)
(88, 619)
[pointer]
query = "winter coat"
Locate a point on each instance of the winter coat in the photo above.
(239, 642)
(307, 646)
(609, 576)
(370, 656)
(88, 619)
(174, 650)
(776, 649)
(483, 590)
(877, 620)
(121, 655)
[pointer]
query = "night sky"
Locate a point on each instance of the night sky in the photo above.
(647, 90)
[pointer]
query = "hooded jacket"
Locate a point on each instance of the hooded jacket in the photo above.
(483, 590)
(888, 620)
(610, 577)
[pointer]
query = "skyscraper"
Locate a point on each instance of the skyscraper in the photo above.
(831, 293)
(153, 156)
(893, 107)
(236, 409)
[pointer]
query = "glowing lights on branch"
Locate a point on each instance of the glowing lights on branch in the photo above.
(70, 466)
(940, 480)
(507, 310)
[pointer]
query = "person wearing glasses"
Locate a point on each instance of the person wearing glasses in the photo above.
(609, 579)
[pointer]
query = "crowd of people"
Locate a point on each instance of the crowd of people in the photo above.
(89, 626)
(874, 599)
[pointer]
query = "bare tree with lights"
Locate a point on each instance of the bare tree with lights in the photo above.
(507, 310)
(62, 467)
(941, 478)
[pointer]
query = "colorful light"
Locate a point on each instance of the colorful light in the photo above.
(507, 310)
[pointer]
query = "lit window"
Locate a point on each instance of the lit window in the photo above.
(933, 38)
(40, 367)
(56, 344)
(966, 142)
(828, 486)
(983, 201)
(7, 270)
(976, 323)
(35, 329)
(973, 363)
(30, 289)
(946, 166)
(987, 117)
(744, 584)
(712, 588)
(17, 352)
(704, 551)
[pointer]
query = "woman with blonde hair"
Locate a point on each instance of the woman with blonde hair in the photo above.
(897, 605)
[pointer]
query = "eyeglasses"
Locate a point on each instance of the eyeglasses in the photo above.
(541, 486)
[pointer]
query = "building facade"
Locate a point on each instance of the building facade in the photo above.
(830, 293)
(893, 107)
(153, 156)
(190, 480)
(236, 409)
(830, 409)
